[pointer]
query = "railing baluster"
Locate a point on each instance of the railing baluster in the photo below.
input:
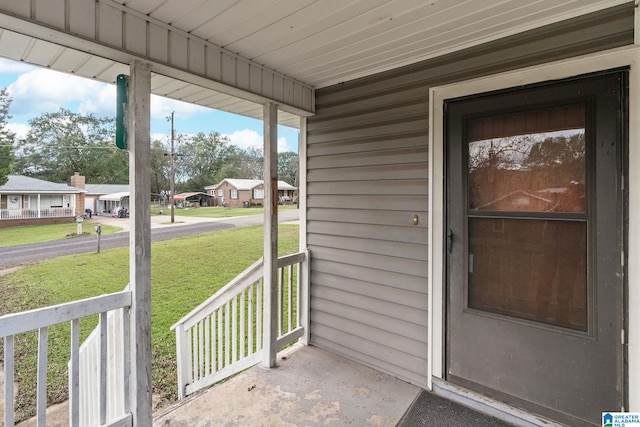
(192, 373)
(214, 344)
(298, 287)
(259, 317)
(43, 349)
(290, 299)
(74, 375)
(234, 329)
(126, 356)
(194, 346)
(250, 328)
(207, 345)
(200, 349)
(280, 299)
(227, 334)
(8, 381)
(242, 323)
(220, 340)
(102, 368)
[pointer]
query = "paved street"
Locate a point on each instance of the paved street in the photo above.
(161, 229)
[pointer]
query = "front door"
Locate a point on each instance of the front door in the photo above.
(535, 270)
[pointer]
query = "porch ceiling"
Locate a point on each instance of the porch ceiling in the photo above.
(313, 43)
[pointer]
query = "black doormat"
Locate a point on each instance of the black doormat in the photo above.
(431, 410)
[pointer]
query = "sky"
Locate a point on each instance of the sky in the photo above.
(36, 90)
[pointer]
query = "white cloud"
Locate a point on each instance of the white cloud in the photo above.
(247, 138)
(43, 90)
(20, 129)
(163, 107)
(102, 103)
(9, 66)
(282, 145)
(159, 137)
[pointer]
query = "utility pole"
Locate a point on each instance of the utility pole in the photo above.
(172, 173)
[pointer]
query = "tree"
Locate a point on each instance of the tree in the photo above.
(7, 138)
(159, 167)
(62, 143)
(288, 167)
(250, 163)
(201, 158)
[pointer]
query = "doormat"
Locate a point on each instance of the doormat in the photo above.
(431, 410)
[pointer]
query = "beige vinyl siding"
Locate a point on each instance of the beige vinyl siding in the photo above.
(367, 174)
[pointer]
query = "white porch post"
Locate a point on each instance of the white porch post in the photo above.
(39, 214)
(270, 119)
(305, 292)
(139, 145)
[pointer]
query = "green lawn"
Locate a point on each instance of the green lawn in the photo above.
(184, 272)
(217, 212)
(14, 236)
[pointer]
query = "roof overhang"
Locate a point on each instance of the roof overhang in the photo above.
(115, 197)
(237, 55)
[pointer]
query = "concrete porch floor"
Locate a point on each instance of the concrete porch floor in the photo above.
(311, 387)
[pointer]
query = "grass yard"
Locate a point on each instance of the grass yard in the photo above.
(216, 212)
(14, 236)
(184, 272)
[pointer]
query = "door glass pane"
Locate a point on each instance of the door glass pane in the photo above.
(532, 161)
(530, 269)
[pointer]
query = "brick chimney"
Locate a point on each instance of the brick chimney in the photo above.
(78, 181)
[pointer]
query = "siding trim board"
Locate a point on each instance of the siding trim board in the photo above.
(370, 171)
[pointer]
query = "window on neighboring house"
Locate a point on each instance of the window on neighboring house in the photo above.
(55, 201)
(234, 194)
(258, 193)
(220, 193)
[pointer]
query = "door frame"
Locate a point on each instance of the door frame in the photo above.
(621, 57)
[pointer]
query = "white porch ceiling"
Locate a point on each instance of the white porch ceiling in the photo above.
(261, 49)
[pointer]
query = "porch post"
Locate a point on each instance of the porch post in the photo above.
(138, 141)
(305, 291)
(270, 333)
(39, 214)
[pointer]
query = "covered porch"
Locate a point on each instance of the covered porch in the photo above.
(313, 387)
(365, 84)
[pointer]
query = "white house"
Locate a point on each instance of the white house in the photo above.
(25, 200)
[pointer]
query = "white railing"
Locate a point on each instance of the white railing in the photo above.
(40, 320)
(35, 213)
(224, 334)
(105, 397)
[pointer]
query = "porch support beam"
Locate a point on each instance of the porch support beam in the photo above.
(138, 141)
(270, 324)
(305, 291)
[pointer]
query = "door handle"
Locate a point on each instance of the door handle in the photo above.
(449, 240)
